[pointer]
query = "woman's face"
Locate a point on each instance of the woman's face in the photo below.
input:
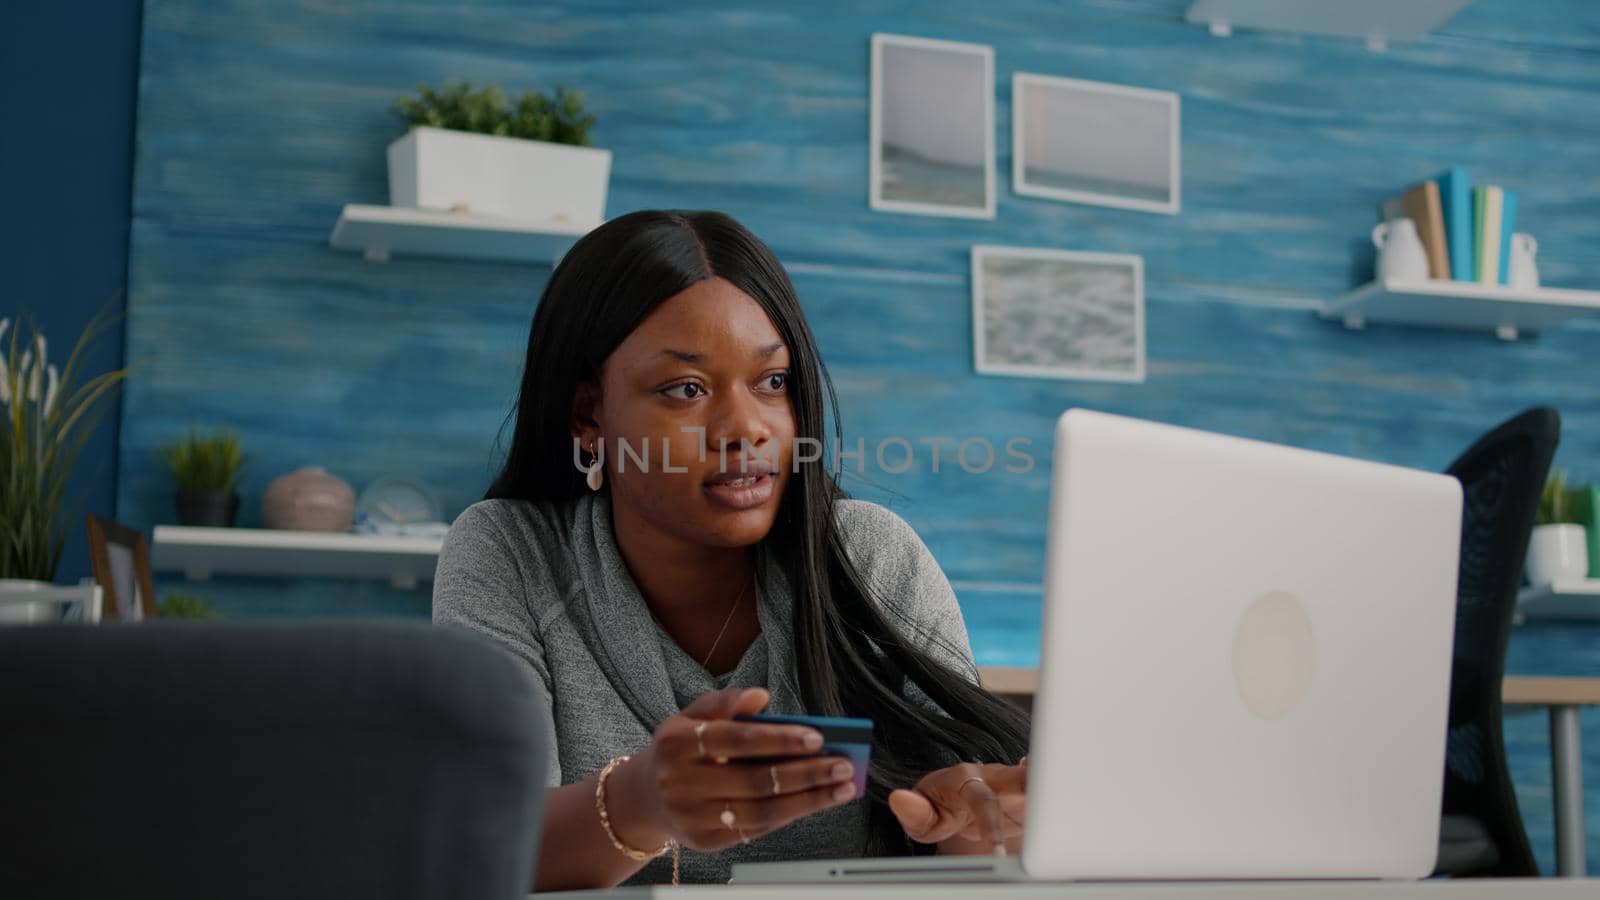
(704, 372)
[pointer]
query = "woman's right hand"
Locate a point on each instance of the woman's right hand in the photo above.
(702, 764)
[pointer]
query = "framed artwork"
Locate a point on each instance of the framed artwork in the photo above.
(1058, 313)
(1090, 142)
(932, 127)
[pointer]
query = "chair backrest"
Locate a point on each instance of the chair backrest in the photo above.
(306, 759)
(1502, 476)
(121, 562)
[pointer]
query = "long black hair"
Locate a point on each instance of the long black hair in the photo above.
(855, 651)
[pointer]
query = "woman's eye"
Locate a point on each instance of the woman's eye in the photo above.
(687, 391)
(777, 381)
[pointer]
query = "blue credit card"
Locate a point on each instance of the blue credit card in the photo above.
(850, 738)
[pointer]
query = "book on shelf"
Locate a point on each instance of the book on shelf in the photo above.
(1421, 205)
(1508, 224)
(1455, 198)
(1465, 230)
(1487, 203)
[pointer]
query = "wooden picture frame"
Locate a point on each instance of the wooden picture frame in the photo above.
(121, 561)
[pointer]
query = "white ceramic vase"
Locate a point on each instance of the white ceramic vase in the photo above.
(1523, 270)
(1557, 553)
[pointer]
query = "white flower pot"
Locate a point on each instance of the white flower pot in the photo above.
(15, 610)
(1557, 553)
(535, 181)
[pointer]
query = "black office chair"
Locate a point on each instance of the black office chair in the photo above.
(1501, 475)
(310, 759)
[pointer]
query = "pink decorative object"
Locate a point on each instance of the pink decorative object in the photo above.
(308, 499)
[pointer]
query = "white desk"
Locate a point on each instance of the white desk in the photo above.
(1464, 889)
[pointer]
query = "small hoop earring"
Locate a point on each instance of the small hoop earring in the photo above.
(595, 477)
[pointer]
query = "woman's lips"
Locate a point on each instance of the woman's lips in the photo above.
(746, 492)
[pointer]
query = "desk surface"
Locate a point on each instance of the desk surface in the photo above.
(1551, 691)
(1516, 690)
(1463, 889)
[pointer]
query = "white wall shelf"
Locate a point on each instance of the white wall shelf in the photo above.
(1508, 312)
(1375, 21)
(1574, 601)
(379, 232)
(201, 552)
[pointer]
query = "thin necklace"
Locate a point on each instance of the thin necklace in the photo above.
(731, 610)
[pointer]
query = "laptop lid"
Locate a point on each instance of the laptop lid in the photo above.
(1245, 662)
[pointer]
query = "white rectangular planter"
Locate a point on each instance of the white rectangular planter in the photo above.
(533, 181)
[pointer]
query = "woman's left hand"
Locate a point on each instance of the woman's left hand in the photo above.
(979, 806)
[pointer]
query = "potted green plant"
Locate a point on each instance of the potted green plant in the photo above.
(205, 468)
(1558, 549)
(47, 416)
(1588, 512)
(475, 151)
(180, 605)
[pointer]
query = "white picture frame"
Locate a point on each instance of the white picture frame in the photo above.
(1096, 143)
(1046, 313)
(931, 130)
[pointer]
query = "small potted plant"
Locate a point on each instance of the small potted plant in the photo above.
(205, 468)
(1558, 550)
(1588, 512)
(180, 605)
(476, 152)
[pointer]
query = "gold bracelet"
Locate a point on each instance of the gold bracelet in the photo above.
(605, 823)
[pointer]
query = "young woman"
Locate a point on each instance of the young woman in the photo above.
(666, 549)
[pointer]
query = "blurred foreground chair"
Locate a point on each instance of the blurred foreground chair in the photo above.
(1502, 475)
(306, 760)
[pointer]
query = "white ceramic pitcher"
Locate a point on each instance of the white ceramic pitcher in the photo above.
(1400, 253)
(1523, 272)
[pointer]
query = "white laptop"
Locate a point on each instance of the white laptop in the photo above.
(1244, 670)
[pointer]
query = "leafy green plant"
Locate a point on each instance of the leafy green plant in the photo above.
(178, 605)
(47, 416)
(205, 462)
(535, 117)
(1558, 505)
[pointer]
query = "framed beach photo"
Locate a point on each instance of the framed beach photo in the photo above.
(932, 127)
(1091, 142)
(1058, 314)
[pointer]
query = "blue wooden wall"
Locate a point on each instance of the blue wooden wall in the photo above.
(258, 120)
(72, 170)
